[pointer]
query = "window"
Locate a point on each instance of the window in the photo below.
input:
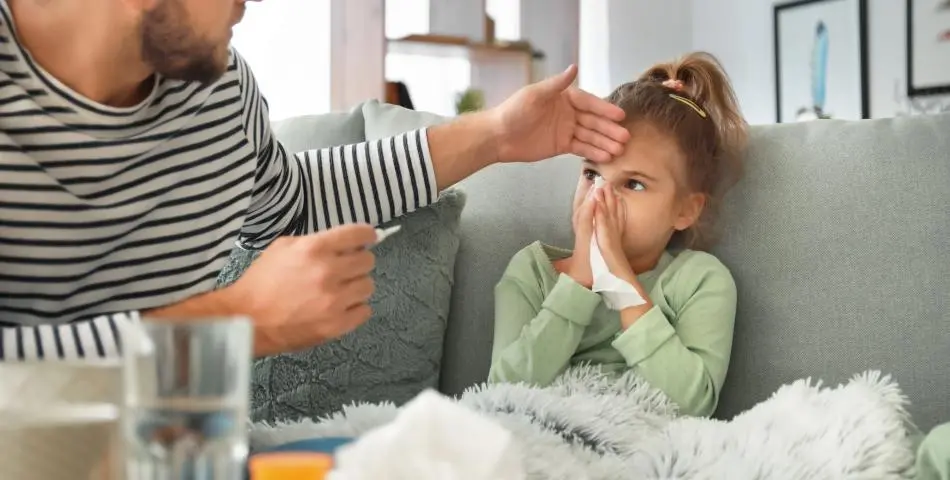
(287, 45)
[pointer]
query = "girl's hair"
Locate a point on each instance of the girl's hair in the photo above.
(692, 99)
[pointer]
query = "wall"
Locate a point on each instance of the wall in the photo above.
(739, 32)
(464, 18)
(619, 39)
(888, 69)
(644, 32)
(594, 61)
(358, 32)
(552, 26)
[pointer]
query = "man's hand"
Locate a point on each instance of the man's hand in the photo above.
(539, 121)
(552, 118)
(303, 291)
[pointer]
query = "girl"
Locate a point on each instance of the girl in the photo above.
(651, 221)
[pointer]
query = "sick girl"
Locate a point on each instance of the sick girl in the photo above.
(652, 218)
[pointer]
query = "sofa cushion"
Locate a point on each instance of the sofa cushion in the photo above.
(312, 132)
(394, 356)
(837, 238)
(397, 354)
(386, 120)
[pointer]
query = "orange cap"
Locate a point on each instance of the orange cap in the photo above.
(290, 466)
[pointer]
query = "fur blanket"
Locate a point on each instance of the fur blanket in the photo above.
(586, 426)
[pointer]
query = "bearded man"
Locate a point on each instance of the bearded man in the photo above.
(135, 150)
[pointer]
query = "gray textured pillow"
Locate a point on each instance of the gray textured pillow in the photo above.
(394, 356)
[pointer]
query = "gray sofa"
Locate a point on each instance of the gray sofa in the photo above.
(838, 237)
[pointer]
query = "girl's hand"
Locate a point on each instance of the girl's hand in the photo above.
(609, 225)
(579, 265)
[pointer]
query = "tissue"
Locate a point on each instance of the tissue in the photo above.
(433, 438)
(616, 293)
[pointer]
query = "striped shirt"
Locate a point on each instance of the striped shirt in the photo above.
(105, 212)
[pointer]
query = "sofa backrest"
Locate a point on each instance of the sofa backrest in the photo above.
(838, 237)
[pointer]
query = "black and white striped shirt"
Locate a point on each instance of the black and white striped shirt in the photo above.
(106, 211)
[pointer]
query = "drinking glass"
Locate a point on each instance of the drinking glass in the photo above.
(186, 395)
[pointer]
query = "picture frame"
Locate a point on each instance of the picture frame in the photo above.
(928, 47)
(821, 60)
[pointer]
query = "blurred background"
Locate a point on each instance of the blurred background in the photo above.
(789, 61)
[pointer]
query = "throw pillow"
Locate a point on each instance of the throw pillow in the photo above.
(394, 356)
(386, 120)
(311, 132)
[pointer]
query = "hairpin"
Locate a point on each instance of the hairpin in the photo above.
(689, 103)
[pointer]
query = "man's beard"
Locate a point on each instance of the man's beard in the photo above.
(174, 50)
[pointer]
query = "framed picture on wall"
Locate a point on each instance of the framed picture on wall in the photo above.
(928, 47)
(821, 60)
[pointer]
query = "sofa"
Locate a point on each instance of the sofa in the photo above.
(838, 237)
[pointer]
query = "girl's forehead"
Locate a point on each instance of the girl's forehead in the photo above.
(650, 153)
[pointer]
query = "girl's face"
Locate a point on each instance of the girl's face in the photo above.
(650, 180)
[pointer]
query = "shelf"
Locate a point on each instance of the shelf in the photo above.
(435, 68)
(456, 47)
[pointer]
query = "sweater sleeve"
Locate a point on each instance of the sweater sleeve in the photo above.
(536, 335)
(98, 337)
(686, 353)
(371, 182)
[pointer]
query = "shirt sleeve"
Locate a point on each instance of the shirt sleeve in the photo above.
(686, 354)
(536, 336)
(371, 182)
(96, 338)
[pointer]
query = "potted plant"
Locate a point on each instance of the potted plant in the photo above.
(471, 100)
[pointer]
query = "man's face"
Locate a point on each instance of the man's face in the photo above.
(188, 39)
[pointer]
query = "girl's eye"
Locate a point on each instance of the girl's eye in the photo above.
(590, 175)
(636, 186)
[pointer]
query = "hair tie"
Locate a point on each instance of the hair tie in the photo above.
(673, 84)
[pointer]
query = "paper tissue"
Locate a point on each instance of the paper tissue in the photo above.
(433, 438)
(616, 293)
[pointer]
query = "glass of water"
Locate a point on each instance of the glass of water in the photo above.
(186, 395)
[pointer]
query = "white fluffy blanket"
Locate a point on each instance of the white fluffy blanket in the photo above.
(588, 427)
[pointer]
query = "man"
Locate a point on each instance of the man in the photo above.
(135, 150)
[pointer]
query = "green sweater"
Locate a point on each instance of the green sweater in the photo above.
(546, 322)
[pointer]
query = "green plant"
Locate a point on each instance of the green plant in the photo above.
(471, 100)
